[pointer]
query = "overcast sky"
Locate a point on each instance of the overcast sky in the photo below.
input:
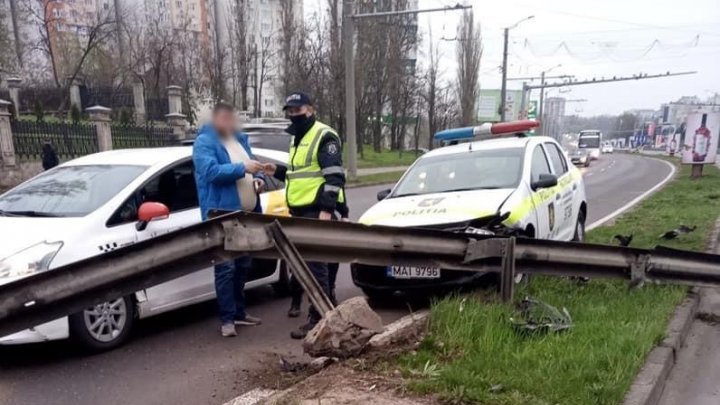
(591, 39)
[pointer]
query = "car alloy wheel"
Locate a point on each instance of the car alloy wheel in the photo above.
(106, 322)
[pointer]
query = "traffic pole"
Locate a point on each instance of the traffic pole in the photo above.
(503, 90)
(348, 30)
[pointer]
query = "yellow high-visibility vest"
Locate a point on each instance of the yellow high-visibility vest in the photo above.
(305, 176)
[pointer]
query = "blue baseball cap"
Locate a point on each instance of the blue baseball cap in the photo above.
(296, 100)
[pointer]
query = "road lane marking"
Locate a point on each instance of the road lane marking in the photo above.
(636, 200)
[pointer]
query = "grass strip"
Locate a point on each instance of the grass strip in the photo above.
(373, 179)
(472, 354)
(384, 158)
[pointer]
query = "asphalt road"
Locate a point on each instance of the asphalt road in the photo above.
(180, 358)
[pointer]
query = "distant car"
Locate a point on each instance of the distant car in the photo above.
(580, 157)
(90, 206)
(607, 148)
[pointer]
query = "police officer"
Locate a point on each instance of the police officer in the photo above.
(314, 178)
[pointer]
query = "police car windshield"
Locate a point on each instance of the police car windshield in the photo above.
(476, 170)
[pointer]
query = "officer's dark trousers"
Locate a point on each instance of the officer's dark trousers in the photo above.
(318, 269)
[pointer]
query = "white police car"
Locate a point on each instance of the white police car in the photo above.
(511, 185)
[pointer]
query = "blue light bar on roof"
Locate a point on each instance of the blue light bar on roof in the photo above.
(455, 134)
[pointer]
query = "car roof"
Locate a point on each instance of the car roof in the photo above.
(154, 156)
(500, 143)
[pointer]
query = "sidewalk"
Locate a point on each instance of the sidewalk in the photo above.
(376, 170)
(694, 378)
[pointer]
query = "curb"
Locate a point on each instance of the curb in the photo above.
(649, 383)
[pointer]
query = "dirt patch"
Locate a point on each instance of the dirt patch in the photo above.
(349, 384)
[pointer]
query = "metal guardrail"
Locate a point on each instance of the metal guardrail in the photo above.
(50, 295)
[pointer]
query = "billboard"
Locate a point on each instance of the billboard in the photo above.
(488, 105)
(701, 138)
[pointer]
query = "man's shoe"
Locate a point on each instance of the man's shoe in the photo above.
(294, 311)
(248, 321)
(301, 332)
(228, 330)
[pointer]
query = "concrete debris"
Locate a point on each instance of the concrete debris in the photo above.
(406, 329)
(320, 363)
(344, 331)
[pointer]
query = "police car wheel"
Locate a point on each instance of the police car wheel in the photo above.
(579, 235)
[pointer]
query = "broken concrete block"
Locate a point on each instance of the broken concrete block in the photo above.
(405, 329)
(344, 331)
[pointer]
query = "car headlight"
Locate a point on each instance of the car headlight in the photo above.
(478, 231)
(32, 260)
(583, 159)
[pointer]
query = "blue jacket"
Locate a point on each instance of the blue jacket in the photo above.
(215, 174)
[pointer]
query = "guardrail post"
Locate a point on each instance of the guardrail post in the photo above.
(100, 117)
(299, 268)
(14, 88)
(507, 275)
(7, 149)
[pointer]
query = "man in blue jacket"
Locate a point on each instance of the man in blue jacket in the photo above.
(228, 178)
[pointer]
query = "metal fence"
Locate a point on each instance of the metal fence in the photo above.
(149, 136)
(157, 108)
(49, 98)
(110, 97)
(69, 140)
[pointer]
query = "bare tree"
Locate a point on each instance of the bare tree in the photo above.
(262, 70)
(290, 41)
(239, 53)
(7, 56)
(469, 51)
(68, 53)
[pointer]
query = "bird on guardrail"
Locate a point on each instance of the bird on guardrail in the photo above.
(623, 240)
(680, 230)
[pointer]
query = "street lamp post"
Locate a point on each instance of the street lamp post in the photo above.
(503, 91)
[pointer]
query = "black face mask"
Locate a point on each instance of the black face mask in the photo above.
(300, 120)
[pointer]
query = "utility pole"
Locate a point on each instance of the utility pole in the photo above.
(543, 86)
(540, 107)
(348, 31)
(503, 90)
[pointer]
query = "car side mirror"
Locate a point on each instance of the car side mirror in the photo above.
(151, 211)
(381, 195)
(546, 180)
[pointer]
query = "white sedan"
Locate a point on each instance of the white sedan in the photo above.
(90, 206)
(514, 185)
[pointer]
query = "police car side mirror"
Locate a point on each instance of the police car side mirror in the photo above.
(545, 180)
(381, 195)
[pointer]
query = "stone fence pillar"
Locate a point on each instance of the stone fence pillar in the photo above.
(100, 117)
(75, 99)
(174, 99)
(14, 87)
(7, 149)
(139, 102)
(178, 123)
